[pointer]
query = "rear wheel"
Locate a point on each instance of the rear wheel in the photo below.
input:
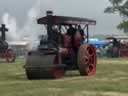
(10, 56)
(87, 59)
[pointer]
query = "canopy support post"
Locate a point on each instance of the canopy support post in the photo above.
(87, 33)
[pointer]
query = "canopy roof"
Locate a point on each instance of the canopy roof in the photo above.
(64, 20)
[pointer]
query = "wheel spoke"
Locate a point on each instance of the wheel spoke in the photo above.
(86, 60)
(90, 51)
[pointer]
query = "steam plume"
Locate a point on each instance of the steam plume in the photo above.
(12, 26)
(31, 29)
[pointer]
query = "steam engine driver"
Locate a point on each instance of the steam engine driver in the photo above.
(81, 32)
(72, 39)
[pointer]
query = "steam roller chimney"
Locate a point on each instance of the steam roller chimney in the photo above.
(49, 25)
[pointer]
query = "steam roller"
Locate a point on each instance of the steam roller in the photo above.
(59, 51)
(5, 51)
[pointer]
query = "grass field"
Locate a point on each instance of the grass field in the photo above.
(111, 79)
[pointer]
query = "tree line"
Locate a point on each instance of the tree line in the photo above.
(121, 7)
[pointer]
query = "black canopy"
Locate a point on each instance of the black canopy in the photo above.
(64, 20)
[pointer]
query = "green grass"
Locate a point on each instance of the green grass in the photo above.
(111, 79)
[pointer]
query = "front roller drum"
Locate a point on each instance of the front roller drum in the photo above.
(87, 59)
(40, 66)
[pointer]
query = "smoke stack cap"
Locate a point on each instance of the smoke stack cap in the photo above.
(49, 13)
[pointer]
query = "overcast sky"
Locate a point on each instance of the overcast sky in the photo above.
(94, 9)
